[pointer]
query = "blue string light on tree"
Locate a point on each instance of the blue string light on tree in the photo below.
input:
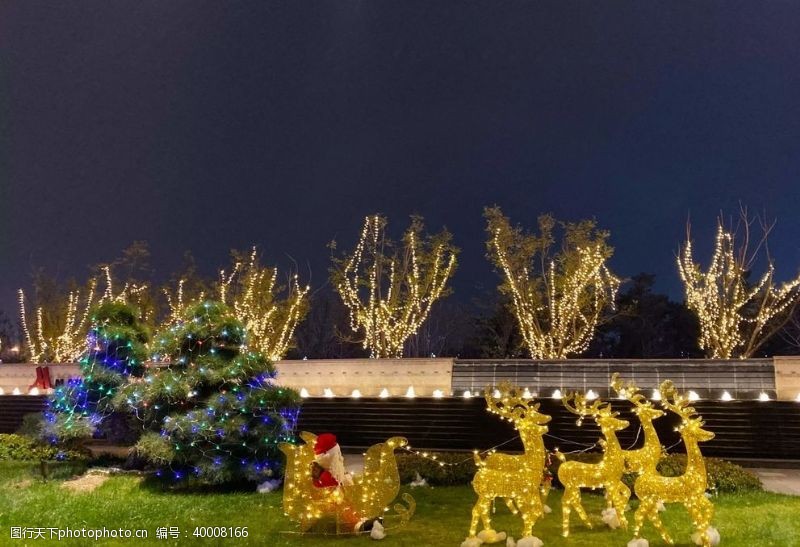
(115, 352)
(214, 414)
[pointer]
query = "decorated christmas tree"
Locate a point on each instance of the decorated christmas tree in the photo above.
(115, 352)
(213, 411)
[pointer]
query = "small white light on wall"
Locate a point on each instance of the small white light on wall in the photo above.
(656, 396)
(797, 398)
(356, 394)
(726, 396)
(527, 394)
(556, 394)
(2, 391)
(328, 393)
(496, 394)
(467, 394)
(304, 393)
(384, 394)
(763, 397)
(16, 391)
(591, 395)
(438, 393)
(33, 391)
(410, 394)
(693, 396)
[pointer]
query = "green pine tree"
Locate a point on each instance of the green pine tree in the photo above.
(213, 413)
(116, 351)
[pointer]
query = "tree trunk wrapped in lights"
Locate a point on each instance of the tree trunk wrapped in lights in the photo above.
(558, 297)
(59, 332)
(389, 289)
(251, 291)
(736, 316)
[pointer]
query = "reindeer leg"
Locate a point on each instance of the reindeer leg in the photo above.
(476, 516)
(620, 496)
(511, 506)
(566, 502)
(701, 514)
(481, 511)
(531, 512)
(580, 510)
(653, 516)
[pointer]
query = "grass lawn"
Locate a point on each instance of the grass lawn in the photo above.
(442, 516)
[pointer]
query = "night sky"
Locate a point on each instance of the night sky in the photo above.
(212, 125)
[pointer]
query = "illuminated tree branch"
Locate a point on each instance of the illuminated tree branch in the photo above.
(58, 335)
(251, 291)
(558, 297)
(388, 289)
(736, 316)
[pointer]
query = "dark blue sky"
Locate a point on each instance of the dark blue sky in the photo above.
(211, 125)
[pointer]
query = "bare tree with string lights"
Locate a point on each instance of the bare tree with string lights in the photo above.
(558, 296)
(389, 288)
(737, 315)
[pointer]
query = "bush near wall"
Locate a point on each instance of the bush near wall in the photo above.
(723, 476)
(23, 448)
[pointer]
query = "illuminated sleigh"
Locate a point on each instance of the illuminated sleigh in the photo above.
(326, 510)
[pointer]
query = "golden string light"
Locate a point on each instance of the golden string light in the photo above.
(515, 478)
(735, 316)
(368, 496)
(558, 308)
(647, 457)
(688, 489)
(251, 291)
(607, 473)
(64, 341)
(390, 296)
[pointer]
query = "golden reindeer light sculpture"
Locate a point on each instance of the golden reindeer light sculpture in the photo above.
(517, 478)
(368, 497)
(646, 457)
(607, 473)
(689, 488)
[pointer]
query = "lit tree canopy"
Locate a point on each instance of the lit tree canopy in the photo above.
(252, 290)
(58, 334)
(389, 288)
(558, 295)
(736, 316)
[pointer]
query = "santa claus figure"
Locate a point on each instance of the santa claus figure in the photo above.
(329, 463)
(329, 472)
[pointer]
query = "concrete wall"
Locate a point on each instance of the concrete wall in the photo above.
(787, 378)
(369, 376)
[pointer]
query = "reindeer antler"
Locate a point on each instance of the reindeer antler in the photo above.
(579, 407)
(511, 405)
(629, 391)
(674, 401)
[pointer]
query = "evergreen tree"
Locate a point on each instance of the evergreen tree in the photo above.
(115, 352)
(214, 412)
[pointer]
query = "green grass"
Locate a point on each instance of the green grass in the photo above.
(442, 516)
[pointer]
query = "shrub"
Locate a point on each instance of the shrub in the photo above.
(723, 476)
(462, 472)
(20, 447)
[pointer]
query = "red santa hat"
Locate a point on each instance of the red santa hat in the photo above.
(324, 443)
